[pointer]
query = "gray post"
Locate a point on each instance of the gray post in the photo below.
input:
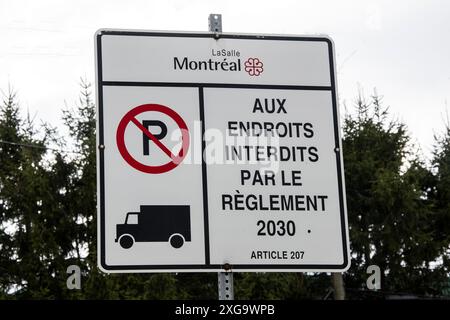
(338, 286)
(225, 285)
(215, 23)
(225, 279)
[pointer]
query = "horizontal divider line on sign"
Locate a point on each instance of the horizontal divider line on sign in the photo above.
(213, 85)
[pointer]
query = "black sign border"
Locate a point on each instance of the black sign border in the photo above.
(207, 267)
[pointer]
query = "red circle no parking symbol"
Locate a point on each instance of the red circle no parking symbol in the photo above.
(130, 116)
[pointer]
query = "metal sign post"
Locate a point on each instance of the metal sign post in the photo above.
(225, 285)
(224, 279)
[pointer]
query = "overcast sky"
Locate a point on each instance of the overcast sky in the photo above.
(400, 47)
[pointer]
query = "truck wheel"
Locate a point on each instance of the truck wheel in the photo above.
(126, 241)
(176, 240)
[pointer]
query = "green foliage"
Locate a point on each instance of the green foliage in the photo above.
(441, 191)
(276, 286)
(440, 197)
(392, 216)
(36, 234)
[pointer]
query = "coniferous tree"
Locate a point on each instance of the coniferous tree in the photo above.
(440, 195)
(389, 207)
(35, 229)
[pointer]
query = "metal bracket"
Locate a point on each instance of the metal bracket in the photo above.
(215, 24)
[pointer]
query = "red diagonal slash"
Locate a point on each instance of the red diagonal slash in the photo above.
(152, 137)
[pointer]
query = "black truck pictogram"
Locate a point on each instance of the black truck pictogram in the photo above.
(154, 223)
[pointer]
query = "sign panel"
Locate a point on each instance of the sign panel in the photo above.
(217, 152)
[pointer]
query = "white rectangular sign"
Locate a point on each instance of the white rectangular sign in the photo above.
(218, 153)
